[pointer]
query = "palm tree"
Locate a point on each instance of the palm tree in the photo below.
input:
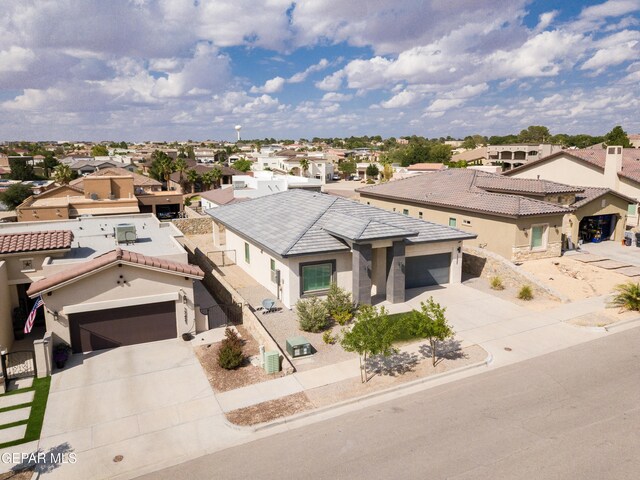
(63, 174)
(216, 174)
(628, 296)
(181, 166)
(304, 165)
(192, 178)
(207, 179)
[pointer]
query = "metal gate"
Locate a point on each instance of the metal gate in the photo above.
(20, 364)
(222, 315)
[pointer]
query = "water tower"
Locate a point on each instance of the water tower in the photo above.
(238, 128)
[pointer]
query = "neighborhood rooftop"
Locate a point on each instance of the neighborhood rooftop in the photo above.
(92, 236)
(116, 256)
(35, 241)
(297, 222)
(472, 190)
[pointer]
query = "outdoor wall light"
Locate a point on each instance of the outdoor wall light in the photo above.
(55, 315)
(459, 249)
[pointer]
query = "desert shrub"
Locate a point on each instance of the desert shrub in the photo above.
(328, 338)
(525, 293)
(370, 181)
(312, 314)
(230, 355)
(339, 304)
(496, 283)
(627, 296)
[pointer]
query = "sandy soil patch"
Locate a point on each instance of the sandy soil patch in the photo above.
(573, 279)
(223, 380)
(605, 317)
(510, 294)
(418, 367)
(22, 475)
(271, 410)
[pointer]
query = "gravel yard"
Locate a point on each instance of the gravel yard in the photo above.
(223, 380)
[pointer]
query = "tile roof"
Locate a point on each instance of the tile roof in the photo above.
(138, 180)
(428, 167)
(589, 194)
(499, 183)
(221, 196)
(461, 188)
(299, 222)
(35, 241)
(595, 157)
(111, 258)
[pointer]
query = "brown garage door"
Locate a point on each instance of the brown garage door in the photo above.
(122, 326)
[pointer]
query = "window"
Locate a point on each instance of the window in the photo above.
(538, 240)
(452, 222)
(316, 277)
(632, 209)
(420, 215)
(466, 222)
(247, 253)
(394, 209)
(273, 271)
(405, 211)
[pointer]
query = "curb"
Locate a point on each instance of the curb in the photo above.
(352, 401)
(607, 328)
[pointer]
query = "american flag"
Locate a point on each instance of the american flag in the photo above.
(32, 315)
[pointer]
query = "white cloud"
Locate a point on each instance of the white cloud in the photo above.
(336, 97)
(270, 86)
(401, 99)
(546, 19)
(302, 76)
(16, 59)
(331, 82)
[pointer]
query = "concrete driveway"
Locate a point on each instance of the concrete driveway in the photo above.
(615, 251)
(150, 403)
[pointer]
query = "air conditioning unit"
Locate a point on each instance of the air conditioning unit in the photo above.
(125, 233)
(271, 362)
(93, 196)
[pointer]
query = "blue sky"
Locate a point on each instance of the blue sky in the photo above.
(174, 69)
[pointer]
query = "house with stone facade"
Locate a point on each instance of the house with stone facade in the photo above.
(297, 242)
(518, 219)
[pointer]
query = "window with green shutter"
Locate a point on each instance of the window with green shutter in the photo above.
(632, 209)
(452, 222)
(316, 277)
(537, 236)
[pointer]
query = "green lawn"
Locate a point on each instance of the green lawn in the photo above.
(38, 407)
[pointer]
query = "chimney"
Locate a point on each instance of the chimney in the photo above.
(612, 166)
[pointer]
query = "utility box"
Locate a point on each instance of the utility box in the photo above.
(271, 362)
(299, 347)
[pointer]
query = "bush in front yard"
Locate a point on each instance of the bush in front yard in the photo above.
(339, 304)
(312, 314)
(230, 355)
(525, 293)
(496, 283)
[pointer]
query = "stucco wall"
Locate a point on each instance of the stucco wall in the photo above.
(612, 206)
(6, 326)
(142, 284)
(565, 170)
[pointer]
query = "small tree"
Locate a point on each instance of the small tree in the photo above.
(347, 168)
(304, 166)
(430, 322)
(62, 174)
(192, 178)
(627, 296)
(99, 151)
(230, 355)
(373, 171)
(387, 172)
(339, 304)
(15, 195)
(371, 334)
(312, 314)
(243, 165)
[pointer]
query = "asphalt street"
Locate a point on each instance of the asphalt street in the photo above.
(573, 414)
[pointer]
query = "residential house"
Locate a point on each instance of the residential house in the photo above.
(257, 185)
(100, 287)
(296, 243)
(111, 191)
(179, 186)
(514, 155)
(519, 219)
(615, 168)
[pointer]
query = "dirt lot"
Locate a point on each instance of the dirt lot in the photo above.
(537, 304)
(268, 411)
(223, 380)
(573, 279)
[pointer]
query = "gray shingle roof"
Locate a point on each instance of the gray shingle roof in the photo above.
(460, 188)
(298, 222)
